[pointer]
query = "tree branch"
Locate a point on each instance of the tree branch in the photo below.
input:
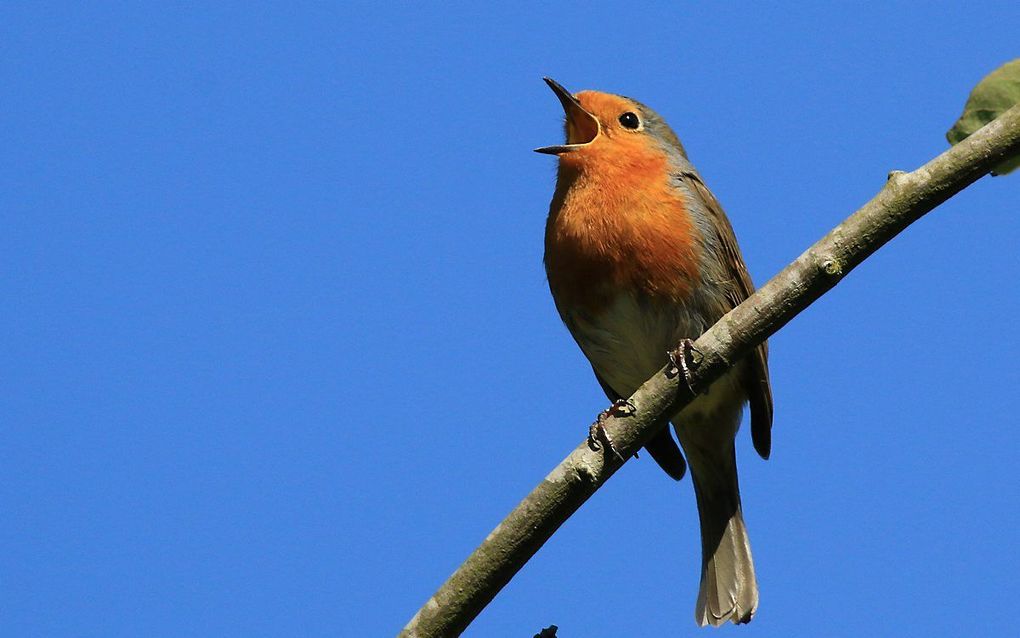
(904, 199)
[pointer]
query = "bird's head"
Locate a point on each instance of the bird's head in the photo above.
(604, 129)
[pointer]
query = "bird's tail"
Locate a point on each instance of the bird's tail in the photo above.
(729, 590)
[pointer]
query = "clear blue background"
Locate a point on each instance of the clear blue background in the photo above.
(278, 352)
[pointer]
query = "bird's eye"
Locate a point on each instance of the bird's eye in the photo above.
(630, 120)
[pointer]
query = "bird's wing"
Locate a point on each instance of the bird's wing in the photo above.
(662, 447)
(756, 383)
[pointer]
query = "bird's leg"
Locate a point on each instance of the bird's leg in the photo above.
(682, 360)
(598, 433)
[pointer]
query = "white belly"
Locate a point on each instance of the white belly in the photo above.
(627, 343)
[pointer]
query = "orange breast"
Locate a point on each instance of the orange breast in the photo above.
(616, 224)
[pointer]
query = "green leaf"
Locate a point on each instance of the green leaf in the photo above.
(990, 98)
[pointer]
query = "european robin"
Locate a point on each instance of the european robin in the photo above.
(641, 257)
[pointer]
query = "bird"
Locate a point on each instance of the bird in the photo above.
(639, 257)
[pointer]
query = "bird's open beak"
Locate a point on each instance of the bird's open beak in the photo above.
(582, 126)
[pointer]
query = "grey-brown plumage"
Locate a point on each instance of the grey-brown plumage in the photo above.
(729, 588)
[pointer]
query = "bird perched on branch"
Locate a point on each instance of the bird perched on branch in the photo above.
(641, 257)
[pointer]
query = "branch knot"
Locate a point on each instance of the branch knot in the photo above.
(832, 268)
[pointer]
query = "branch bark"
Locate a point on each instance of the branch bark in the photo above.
(904, 199)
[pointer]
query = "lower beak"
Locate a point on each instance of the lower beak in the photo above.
(582, 126)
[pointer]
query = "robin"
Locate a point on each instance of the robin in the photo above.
(640, 257)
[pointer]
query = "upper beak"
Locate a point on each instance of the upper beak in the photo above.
(582, 126)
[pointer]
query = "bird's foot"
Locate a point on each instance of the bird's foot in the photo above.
(597, 433)
(682, 359)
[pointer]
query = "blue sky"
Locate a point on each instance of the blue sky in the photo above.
(278, 351)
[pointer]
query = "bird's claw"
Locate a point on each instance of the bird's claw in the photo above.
(621, 407)
(682, 359)
(597, 433)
